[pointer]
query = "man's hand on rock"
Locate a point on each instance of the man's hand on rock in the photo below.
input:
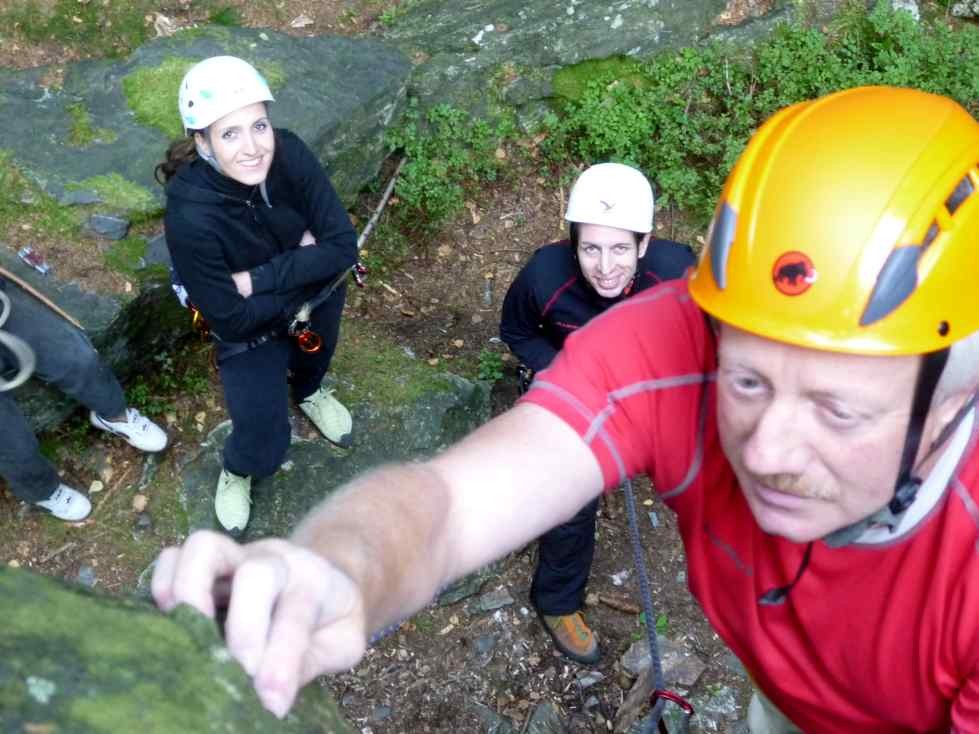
(291, 615)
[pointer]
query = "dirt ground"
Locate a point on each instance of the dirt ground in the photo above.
(433, 673)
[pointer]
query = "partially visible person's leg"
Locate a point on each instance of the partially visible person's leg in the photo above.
(308, 369)
(67, 360)
(256, 394)
(30, 476)
(764, 718)
(564, 558)
(65, 356)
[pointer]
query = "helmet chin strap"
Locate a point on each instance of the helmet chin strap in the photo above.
(907, 485)
(205, 155)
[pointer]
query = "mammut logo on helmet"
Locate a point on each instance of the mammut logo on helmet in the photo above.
(793, 273)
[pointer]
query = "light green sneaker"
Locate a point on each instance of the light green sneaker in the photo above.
(329, 416)
(232, 501)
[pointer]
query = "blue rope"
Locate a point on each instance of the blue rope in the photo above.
(649, 724)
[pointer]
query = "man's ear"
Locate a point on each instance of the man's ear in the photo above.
(643, 244)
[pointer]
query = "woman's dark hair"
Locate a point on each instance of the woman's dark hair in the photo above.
(576, 233)
(180, 152)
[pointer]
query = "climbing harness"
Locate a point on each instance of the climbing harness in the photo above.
(22, 352)
(660, 695)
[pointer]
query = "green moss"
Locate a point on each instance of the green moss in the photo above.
(571, 82)
(18, 195)
(121, 194)
(82, 133)
(152, 92)
(374, 370)
(125, 255)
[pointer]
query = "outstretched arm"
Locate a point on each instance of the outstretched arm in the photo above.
(380, 548)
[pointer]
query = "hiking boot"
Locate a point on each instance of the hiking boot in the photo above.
(67, 504)
(572, 637)
(329, 416)
(137, 429)
(232, 501)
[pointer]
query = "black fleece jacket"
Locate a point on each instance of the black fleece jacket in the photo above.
(216, 226)
(550, 297)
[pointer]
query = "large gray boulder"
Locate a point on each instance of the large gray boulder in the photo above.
(78, 663)
(476, 54)
(97, 131)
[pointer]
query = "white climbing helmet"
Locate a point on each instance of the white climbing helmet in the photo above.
(216, 86)
(612, 195)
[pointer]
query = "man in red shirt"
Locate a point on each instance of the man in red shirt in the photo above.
(809, 417)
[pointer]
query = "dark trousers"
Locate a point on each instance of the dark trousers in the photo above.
(564, 557)
(256, 392)
(67, 360)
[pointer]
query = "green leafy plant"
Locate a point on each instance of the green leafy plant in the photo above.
(684, 117)
(490, 365)
(446, 151)
(226, 15)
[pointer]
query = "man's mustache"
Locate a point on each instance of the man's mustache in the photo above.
(793, 484)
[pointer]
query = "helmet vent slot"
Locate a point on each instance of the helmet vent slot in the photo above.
(930, 235)
(962, 192)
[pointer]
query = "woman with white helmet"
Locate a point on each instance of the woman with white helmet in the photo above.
(255, 229)
(610, 256)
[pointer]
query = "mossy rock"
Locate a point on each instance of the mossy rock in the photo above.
(73, 662)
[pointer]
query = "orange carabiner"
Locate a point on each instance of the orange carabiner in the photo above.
(309, 341)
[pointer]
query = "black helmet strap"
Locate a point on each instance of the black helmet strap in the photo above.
(906, 487)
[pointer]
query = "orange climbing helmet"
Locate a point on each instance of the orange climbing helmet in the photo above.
(851, 223)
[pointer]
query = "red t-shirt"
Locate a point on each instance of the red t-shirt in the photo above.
(874, 638)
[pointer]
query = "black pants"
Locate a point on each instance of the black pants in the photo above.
(256, 392)
(564, 557)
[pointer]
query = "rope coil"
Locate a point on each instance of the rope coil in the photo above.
(23, 354)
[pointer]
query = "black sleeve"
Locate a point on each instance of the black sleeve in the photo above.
(201, 266)
(667, 259)
(336, 241)
(520, 321)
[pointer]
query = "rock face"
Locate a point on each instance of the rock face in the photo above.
(72, 661)
(478, 52)
(966, 9)
(338, 94)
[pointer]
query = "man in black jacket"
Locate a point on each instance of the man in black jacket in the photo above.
(609, 257)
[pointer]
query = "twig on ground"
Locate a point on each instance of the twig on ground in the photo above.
(619, 603)
(55, 553)
(114, 487)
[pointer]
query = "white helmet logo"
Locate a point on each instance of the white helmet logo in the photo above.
(608, 205)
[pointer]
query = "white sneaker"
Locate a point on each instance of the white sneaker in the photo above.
(67, 504)
(232, 501)
(137, 429)
(329, 416)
